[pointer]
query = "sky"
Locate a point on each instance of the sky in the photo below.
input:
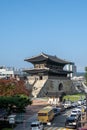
(54, 27)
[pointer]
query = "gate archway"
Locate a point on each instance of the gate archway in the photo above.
(60, 87)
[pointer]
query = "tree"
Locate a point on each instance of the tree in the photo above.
(17, 102)
(12, 87)
(13, 93)
(86, 74)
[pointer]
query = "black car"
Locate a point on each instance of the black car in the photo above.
(56, 111)
(71, 122)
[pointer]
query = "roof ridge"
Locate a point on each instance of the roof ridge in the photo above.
(43, 54)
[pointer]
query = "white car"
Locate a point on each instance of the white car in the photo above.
(75, 112)
(80, 102)
(67, 104)
(82, 108)
(37, 125)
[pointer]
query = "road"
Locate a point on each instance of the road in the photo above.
(57, 124)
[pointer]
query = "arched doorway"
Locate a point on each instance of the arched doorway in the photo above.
(60, 87)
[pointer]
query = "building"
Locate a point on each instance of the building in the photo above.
(9, 72)
(73, 68)
(48, 75)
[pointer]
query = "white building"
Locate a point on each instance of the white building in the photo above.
(7, 72)
(72, 68)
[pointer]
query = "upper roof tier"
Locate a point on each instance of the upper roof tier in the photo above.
(44, 57)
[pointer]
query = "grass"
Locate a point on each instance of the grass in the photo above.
(75, 97)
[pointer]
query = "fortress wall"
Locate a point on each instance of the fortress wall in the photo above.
(51, 85)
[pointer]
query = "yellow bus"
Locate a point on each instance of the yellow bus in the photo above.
(46, 114)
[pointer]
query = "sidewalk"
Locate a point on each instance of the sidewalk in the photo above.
(84, 120)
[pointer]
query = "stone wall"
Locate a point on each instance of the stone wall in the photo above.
(51, 84)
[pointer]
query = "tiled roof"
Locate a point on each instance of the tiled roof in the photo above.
(45, 57)
(34, 70)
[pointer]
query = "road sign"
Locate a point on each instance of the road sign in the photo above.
(11, 119)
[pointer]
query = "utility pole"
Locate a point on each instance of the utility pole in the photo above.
(24, 124)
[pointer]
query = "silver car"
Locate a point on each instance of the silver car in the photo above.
(37, 125)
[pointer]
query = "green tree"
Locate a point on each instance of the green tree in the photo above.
(19, 102)
(86, 74)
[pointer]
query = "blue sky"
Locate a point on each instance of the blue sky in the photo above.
(55, 27)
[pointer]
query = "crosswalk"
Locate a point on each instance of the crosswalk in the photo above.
(57, 128)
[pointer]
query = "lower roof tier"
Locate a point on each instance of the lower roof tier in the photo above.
(47, 71)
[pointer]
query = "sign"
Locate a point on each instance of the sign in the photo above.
(11, 120)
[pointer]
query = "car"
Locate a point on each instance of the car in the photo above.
(74, 104)
(80, 102)
(82, 108)
(75, 112)
(71, 122)
(56, 111)
(61, 107)
(75, 116)
(67, 104)
(37, 125)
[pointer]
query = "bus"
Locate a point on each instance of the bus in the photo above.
(46, 114)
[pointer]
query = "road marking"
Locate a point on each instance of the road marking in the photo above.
(56, 128)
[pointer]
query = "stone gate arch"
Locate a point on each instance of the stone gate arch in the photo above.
(60, 87)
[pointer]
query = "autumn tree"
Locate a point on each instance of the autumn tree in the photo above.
(13, 93)
(12, 87)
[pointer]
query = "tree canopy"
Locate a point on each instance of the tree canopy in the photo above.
(12, 87)
(14, 102)
(86, 74)
(13, 93)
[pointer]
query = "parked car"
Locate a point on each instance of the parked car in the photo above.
(37, 125)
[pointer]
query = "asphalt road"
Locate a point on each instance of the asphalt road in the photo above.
(26, 123)
(59, 121)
